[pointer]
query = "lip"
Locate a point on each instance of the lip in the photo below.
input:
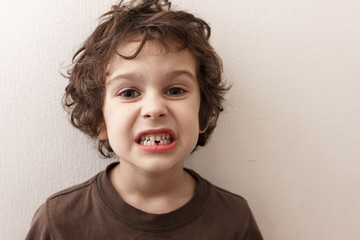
(156, 148)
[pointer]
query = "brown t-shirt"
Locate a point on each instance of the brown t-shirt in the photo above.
(94, 210)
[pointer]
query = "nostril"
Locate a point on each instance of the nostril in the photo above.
(154, 111)
(154, 115)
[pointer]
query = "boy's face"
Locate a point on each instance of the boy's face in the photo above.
(151, 107)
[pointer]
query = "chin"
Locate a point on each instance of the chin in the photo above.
(160, 166)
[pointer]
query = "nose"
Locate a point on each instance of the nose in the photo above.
(154, 107)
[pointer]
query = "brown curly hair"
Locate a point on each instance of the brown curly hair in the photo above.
(150, 19)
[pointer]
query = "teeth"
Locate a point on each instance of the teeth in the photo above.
(155, 139)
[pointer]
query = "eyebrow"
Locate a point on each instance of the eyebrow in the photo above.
(177, 73)
(138, 77)
(126, 76)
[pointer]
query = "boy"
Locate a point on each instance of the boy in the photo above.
(148, 85)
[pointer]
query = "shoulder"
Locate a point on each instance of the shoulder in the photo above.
(232, 209)
(59, 207)
(77, 197)
(220, 196)
(77, 189)
(227, 195)
(223, 202)
(229, 201)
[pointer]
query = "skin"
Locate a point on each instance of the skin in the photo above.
(157, 91)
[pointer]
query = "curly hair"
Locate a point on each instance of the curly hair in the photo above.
(150, 19)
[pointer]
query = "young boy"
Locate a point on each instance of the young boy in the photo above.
(148, 85)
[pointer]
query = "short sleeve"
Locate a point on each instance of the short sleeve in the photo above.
(40, 227)
(252, 231)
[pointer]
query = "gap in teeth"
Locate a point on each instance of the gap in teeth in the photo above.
(156, 139)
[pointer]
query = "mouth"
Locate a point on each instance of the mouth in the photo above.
(152, 139)
(157, 140)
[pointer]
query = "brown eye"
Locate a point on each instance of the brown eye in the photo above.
(175, 91)
(129, 93)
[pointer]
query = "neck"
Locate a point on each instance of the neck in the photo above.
(153, 192)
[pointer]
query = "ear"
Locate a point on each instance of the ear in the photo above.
(204, 130)
(102, 132)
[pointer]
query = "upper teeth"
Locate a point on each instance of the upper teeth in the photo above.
(154, 139)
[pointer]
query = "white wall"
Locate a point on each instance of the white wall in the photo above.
(289, 140)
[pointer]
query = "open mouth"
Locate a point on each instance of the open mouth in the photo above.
(153, 139)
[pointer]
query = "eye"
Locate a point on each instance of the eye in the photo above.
(129, 93)
(175, 91)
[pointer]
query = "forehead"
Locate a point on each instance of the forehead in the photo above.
(169, 58)
(132, 44)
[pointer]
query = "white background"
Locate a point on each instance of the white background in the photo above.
(288, 141)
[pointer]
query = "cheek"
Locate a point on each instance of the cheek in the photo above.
(119, 120)
(189, 115)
